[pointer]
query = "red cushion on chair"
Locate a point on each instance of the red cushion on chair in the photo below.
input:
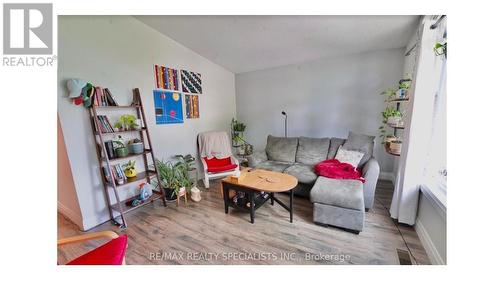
(111, 253)
(215, 165)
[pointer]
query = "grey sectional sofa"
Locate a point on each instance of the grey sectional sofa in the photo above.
(298, 156)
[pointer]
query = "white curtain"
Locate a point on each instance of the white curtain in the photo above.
(418, 123)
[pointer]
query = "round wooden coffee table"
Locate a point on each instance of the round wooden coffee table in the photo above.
(259, 186)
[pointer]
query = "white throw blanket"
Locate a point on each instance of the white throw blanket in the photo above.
(214, 144)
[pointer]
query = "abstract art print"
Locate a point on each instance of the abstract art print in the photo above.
(166, 78)
(191, 82)
(168, 107)
(192, 106)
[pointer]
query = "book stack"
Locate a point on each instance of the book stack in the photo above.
(102, 97)
(104, 124)
(118, 174)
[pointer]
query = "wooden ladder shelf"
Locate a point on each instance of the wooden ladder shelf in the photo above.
(123, 206)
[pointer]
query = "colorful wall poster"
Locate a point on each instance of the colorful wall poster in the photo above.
(168, 107)
(192, 106)
(191, 82)
(166, 78)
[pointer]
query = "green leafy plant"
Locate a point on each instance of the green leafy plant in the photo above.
(389, 94)
(388, 112)
(130, 165)
(126, 121)
(174, 175)
(238, 126)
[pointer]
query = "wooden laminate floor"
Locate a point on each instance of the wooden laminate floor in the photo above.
(201, 233)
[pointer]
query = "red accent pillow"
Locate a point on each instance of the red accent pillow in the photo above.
(111, 253)
(215, 165)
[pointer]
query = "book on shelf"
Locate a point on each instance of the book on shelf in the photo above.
(109, 149)
(104, 124)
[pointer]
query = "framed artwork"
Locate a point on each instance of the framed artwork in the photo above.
(168, 107)
(192, 106)
(166, 78)
(191, 82)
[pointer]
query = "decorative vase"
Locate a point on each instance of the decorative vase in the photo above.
(393, 120)
(130, 173)
(136, 148)
(195, 194)
(121, 151)
(395, 146)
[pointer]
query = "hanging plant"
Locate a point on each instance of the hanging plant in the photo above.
(440, 49)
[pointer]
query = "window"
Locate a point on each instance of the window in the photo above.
(435, 169)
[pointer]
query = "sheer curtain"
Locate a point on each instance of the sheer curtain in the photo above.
(420, 135)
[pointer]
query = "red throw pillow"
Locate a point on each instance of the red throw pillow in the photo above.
(335, 169)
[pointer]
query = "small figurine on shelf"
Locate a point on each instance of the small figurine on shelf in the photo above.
(145, 191)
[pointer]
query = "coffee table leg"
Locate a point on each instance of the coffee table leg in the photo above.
(226, 198)
(252, 207)
(291, 205)
(272, 198)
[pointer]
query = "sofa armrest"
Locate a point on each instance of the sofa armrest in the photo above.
(256, 158)
(371, 171)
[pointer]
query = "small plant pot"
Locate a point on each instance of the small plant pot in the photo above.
(136, 148)
(395, 146)
(121, 151)
(390, 139)
(170, 194)
(393, 121)
(130, 173)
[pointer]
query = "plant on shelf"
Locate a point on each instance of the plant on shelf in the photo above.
(129, 169)
(390, 117)
(441, 49)
(127, 122)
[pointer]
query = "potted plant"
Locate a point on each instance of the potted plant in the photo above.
(129, 169)
(136, 146)
(395, 146)
(167, 176)
(120, 149)
(392, 116)
(237, 132)
(127, 122)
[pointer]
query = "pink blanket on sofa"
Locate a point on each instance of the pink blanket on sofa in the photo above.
(335, 169)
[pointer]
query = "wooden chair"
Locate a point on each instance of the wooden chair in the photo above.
(110, 253)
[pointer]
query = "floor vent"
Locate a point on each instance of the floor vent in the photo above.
(404, 257)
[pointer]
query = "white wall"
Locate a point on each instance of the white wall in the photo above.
(431, 228)
(119, 52)
(323, 98)
(67, 199)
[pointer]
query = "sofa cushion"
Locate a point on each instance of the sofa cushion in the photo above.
(361, 143)
(335, 143)
(341, 193)
(311, 151)
(281, 149)
(275, 166)
(303, 172)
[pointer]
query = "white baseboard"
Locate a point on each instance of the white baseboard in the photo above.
(429, 247)
(70, 214)
(387, 176)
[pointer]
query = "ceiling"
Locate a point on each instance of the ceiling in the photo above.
(248, 43)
